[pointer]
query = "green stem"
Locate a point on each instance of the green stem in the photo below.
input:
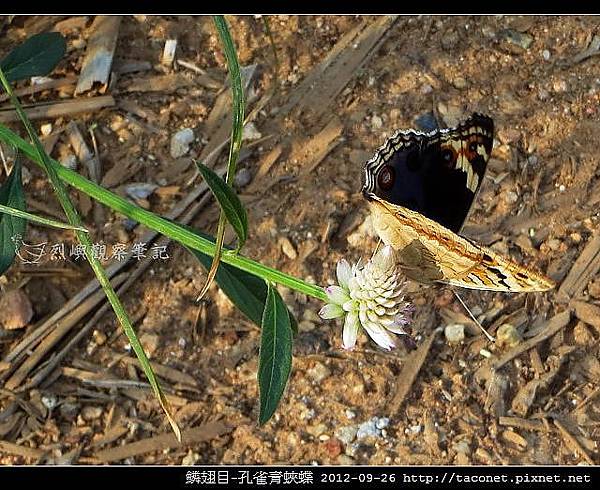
(160, 224)
(36, 152)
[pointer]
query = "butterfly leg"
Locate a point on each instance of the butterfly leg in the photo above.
(376, 249)
(485, 332)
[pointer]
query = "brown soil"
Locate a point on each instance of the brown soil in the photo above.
(539, 205)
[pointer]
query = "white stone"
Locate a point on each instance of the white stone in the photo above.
(180, 142)
(46, 129)
(250, 132)
(454, 333)
(376, 122)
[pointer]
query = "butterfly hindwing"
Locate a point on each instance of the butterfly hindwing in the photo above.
(430, 252)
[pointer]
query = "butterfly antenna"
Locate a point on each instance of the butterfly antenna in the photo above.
(485, 332)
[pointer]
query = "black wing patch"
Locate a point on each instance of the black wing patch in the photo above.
(436, 174)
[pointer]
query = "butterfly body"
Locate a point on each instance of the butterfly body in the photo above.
(420, 188)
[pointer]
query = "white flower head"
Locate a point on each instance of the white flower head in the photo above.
(371, 297)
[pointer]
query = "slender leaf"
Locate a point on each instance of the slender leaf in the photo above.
(37, 56)
(11, 227)
(237, 92)
(248, 292)
(230, 203)
(236, 136)
(39, 219)
(275, 356)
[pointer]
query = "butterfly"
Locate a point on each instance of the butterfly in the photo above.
(421, 188)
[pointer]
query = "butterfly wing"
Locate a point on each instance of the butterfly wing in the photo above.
(495, 272)
(430, 252)
(436, 174)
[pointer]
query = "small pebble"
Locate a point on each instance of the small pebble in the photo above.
(99, 337)
(507, 336)
(511, 197)
(180, 142)
(308, 414)
(450, 40)
(306, 326)
(190, 458)
(25, 175)
(46, 129)
(376, 122)
(459, 83)
(316, 430)
(370, 427)
(560, 86)
(546, 54)
(150, 343)
(575, 237)
(15, 309)
(91, 412)
(426, 89)
(129, 224)
(250, 132)
(346, 434)
(488, 32)
(242, 178)
(517, 38)
(350, 414)
(140, 190)
(40, 80)
(318, 372)
(50, 401)
(485, 353)
(455, 333)
(462, 447)
(68, 410)
(553, 244)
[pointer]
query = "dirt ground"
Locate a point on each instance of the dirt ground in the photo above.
(335, 90)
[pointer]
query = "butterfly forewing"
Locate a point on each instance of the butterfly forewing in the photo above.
(436, 174)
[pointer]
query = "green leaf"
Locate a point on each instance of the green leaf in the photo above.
(39, 219)
(11, 194)
(37, 56)
(275, 356)
(246, 291)
(229, 201)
